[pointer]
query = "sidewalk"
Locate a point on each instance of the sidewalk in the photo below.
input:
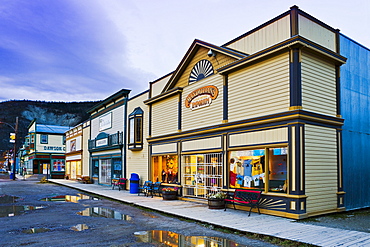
(233, 219)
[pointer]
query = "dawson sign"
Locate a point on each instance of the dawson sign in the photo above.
(201, 97)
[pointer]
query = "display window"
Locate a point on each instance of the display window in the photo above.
(202, 174)
(165, 169)
(117, 168)
(248, 169)
(58, 166)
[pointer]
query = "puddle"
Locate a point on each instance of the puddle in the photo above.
(79, 227)
(104, 212)
(69, 198)
(36, 230)
(8, 199)
(9, 211)
(167, 238)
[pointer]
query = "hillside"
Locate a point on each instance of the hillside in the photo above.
(54, 113)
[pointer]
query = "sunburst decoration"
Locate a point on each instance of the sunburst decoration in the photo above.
(201, 69)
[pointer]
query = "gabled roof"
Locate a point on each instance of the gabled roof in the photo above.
(192, 51)
(53, 129)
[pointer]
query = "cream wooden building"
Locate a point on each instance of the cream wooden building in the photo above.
(261, 111)
(106, 144)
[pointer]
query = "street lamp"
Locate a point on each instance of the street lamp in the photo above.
(15, 142)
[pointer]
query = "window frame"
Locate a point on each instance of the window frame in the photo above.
(135, 129)
(42, 141)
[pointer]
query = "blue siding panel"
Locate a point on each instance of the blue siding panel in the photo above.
(355, 106)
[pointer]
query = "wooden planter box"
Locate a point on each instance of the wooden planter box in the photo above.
(215, 203)
(169, 195)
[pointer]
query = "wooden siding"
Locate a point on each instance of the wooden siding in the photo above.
(208, 143)
(260, 89)
(217, 62)
(164, 148)
(117, 122)
(85, 150)
(53, 141)
(158, 86)
(164, 116)
(265, 37)
(137, 161)
(206, 116)
(259, 137)
(316, 33)
(318, 85)
(73, 157)
(320, 168)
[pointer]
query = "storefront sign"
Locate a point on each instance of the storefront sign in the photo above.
(54, 148)
(102, 142)
(201, 97)
(105, 122)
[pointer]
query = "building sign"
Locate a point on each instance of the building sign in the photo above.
(54, 148)
(201, 97)
(105, 122)
(101, 142)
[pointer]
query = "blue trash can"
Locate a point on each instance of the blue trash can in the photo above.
(11, 176)
(134, 183)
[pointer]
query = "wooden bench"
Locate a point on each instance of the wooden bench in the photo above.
(242, 197)
(84, 179)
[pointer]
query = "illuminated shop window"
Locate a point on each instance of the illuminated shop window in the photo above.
(165, 169)
(201, 174)
(248, 169)
(135, 120)
(58, 166)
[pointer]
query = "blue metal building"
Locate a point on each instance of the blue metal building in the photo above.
(355, 105)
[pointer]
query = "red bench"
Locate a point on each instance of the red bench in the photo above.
(242, 197)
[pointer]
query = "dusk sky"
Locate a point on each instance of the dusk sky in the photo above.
(80, 50)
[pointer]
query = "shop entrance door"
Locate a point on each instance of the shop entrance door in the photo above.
(73, 170)
(105, 172)
(202, 174)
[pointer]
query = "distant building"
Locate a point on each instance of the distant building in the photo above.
(108, 138)
(45, 149)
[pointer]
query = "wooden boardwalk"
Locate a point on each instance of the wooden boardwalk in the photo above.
(233, 219)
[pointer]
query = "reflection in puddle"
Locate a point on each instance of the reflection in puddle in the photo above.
(8, 199)
(8, 211)
(79, 227)
(104, 212)
(36, 230)
(69, 198)
(167, 238)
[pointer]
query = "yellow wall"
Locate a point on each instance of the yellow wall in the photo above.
(260, 89)
(137, 161)
(318, 85)
(164, 115)
(320, 168)
(272, 34)
(316, 33)
(206, 116)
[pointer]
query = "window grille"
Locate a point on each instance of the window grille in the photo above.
(201, 174)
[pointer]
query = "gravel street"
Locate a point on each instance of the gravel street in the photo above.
(68, 217)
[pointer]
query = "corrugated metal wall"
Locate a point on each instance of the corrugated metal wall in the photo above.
(355, 104)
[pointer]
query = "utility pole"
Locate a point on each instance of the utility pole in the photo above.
(15, 143)
(15, 147)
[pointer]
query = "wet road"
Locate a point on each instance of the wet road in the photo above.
(33, 214)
